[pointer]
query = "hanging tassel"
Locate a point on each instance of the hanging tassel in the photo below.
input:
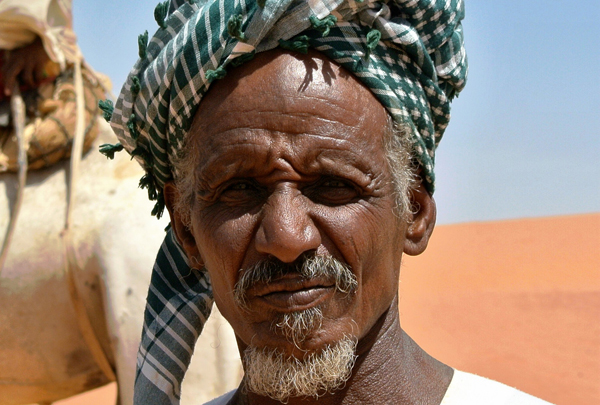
(298, 44)
(109, 150)
(132, 128)
(141, 152)
(325, 25)
(234, 27)
(135, 86)
(246, 57)
(373, 38)
(160, 14)
(218, 73)
(357, 65)
(337, 54)
(107, 108)
(159, 207)
(142, 44)
(147, 182)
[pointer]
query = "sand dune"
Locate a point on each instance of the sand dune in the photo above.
(517, 301)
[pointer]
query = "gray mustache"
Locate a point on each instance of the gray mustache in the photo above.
(308, 266)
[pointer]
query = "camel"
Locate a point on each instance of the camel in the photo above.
(45, 352)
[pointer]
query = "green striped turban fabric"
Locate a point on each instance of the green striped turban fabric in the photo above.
(408, 52)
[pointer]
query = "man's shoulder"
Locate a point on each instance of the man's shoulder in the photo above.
(222, 400)
(467, 388)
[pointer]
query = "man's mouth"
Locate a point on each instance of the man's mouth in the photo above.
(293, 293)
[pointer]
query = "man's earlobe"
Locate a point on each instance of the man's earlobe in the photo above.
(182, 232)
(421, 226)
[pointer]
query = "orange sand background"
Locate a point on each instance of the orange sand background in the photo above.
(517, 301)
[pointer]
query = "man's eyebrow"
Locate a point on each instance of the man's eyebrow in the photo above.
(210, 176)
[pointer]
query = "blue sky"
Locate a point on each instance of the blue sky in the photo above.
(524, 140)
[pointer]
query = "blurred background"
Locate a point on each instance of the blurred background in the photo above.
(509, 287)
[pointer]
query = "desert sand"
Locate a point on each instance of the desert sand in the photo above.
(517, 301)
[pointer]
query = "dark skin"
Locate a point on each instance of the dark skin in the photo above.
(291, 160)
(24, 65)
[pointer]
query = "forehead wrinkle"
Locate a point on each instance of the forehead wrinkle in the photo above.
(277, 154)
(220, 144)
(294, 122)
(347, 146)
(334, 158)
(328, 104)
(320, 106)
(227, 164)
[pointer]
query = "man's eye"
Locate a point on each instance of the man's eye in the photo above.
(239, 192)
(334, 184)
(239, 186)
(333, 192)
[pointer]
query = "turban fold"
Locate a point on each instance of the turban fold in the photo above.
(409, 53)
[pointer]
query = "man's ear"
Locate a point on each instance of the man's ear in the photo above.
(421, 226)
(182, 232)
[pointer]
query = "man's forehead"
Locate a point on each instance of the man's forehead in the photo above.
(275, 79)
(297, 109)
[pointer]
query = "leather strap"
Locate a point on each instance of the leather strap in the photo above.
(18, 112)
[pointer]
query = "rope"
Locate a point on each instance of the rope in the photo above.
(70, 256)
(77, 143)
(18, 113)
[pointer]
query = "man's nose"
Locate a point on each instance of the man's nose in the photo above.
(286, 229)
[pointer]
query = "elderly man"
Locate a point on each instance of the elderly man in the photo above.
(296, 183)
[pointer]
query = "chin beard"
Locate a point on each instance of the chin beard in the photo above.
(271, 373)
(297, 326)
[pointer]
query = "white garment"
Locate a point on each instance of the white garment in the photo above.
(471, 389)
(464, 389)
(51, 20)
(222, 400)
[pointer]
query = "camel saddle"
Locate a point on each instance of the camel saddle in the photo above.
(50, 120)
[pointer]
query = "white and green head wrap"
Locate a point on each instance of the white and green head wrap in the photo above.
(408, 52)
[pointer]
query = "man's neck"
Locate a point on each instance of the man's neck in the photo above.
(390, 369)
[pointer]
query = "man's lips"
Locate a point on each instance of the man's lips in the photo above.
(292, 293)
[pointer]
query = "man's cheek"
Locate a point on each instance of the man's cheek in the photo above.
(226, 243)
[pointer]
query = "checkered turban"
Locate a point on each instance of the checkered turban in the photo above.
(408, 52)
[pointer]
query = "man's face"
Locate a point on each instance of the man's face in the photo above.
(290, 161)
